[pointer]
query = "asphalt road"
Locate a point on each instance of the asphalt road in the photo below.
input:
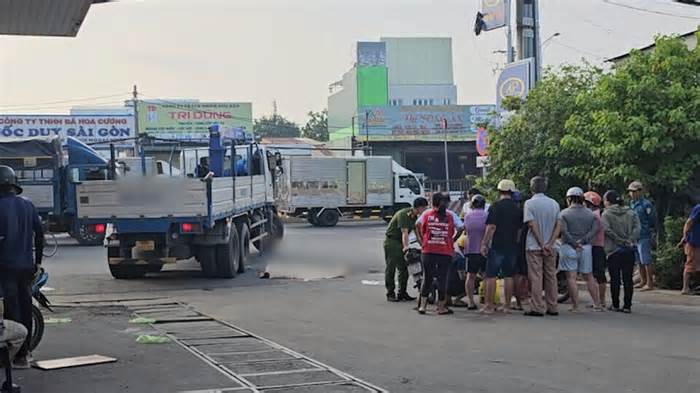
(316, 304)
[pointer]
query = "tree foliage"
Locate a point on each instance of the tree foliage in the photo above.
(317, 126)
(580, 126)
(275, 126)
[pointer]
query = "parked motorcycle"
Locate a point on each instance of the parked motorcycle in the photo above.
(37, 316)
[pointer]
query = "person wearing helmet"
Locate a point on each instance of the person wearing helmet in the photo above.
(500, 244)
(622, 229)
(20, 229)
(593, 200)
(647, 218)
(578, 227)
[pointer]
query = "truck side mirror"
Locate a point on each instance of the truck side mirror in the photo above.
(74, 176)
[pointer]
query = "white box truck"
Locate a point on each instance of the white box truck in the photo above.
(323, 189)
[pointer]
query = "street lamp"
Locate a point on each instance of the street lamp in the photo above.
(550, 38)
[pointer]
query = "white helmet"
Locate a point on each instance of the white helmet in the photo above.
(574, 192)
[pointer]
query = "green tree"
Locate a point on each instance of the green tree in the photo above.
(317, 126)
(642, 122)
(528, 143)
(275, 126)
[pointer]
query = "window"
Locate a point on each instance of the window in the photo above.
(410, 182)
(430, 101)
(415, 102)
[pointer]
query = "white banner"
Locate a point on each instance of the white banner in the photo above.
(86, 128)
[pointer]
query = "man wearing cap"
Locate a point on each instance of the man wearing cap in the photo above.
(542, 218)
(500, 244)
(20, 229)
(691, 245)
(578, 227)
(647, 218)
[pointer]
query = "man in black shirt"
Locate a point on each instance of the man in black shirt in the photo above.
(500, 244)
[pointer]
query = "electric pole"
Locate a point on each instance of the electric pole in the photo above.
(528, 34)
(137, 141)
(447, 161)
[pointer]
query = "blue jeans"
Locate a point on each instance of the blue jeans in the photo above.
(501, 262)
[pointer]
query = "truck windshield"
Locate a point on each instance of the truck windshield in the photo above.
(410, 182)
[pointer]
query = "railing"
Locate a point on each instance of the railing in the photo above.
(432, 185)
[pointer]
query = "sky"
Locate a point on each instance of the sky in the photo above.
(289, 51)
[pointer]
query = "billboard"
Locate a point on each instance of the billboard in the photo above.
(422, 123)
(371, 54)
(89, 129)
(515, 80)
(372, 86)
(494, 14)
(191, 120)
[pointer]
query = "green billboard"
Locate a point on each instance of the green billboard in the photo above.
(191, 120)
(372, 86)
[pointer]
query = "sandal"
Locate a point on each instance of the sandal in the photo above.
(472, 308)
(445, 312)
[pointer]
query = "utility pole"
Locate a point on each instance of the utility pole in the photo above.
(528, 34)
(137, 142)
(447, 162)
(352, 140)
(509, 34)
(367, 132)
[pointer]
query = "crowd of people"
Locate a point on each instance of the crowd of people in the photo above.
(526, 243)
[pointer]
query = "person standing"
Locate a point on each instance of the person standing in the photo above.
(578, 227)
(20, 230)
(437, 228)
(500, 244)
(622, 229)
(474, 226)
(541, 214)
(593, 201)
(647, 219)
(396, 244)
(691, 245)
(470, 195)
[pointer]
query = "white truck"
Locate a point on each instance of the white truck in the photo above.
(323, 189)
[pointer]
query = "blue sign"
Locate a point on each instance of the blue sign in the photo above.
(424, 123)
(515, 80)
(371, 54)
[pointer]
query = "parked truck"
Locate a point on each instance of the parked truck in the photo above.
(48, 173)
(323, 189)
(155, 220)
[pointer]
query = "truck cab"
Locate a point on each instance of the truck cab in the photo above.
(407, 187)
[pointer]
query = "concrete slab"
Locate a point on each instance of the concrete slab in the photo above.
(236, 346)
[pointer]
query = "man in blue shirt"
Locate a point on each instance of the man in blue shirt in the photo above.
(691, 243)
(20, 229)
(647, 218)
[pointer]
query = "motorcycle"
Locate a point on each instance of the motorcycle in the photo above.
(37, 316)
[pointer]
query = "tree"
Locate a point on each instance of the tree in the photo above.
(527, 144)
(275, 126)
(579, 126)
(317, 126)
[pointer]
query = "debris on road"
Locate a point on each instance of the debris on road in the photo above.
(78, 361)
(57, 321)
(149, 339)
(371, 282)
(142, 320)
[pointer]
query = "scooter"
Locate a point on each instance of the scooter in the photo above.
(37, 316)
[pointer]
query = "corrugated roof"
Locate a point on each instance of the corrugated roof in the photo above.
(43, 17)
(622, 56)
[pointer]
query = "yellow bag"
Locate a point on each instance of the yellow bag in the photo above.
(496, 297)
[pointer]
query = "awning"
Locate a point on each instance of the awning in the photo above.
(43, 17)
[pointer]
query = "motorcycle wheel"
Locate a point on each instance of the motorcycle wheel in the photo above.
(37, 328)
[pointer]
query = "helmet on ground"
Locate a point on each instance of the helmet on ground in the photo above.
(574, 192)
(592, 197)
(506, 185)
(8, 178)
(635, 186)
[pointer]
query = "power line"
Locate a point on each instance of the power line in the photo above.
(640, 9)
(14, 110)
(61, 102)
(556, 42)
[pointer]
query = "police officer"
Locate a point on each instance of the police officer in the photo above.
(20, 228)
(647, 218)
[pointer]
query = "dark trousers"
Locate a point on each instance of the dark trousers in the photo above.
(393, 256)
(435, 266)
(17, 292)
(621, 267)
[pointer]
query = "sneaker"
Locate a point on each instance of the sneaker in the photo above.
(627, 310)
(614, 308)
(21, 363)
(391, 297)
(552, 313)
(405, 297)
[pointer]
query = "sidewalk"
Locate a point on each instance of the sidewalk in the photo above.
(657, 296)
(106, 331)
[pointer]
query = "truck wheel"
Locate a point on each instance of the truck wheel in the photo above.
(87, 238)
(128, 272)
(329, 218)
(228, 256)
(244, 235)
(277, 227)
(312, 217)
(207, 259)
